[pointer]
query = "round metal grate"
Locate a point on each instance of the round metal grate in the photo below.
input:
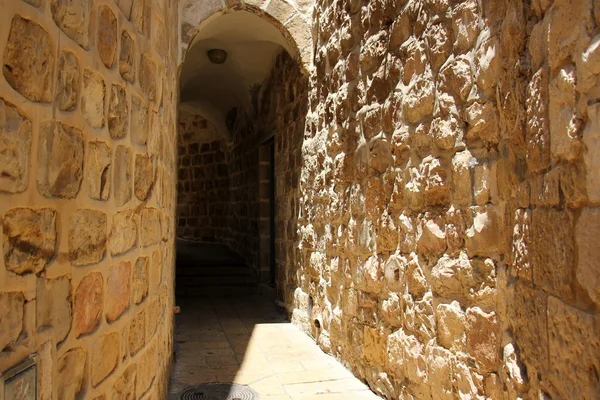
(218, 391)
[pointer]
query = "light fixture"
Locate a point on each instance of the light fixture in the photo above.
(217, 56)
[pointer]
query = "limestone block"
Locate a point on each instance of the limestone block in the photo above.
(146, 371)
(436, 188)
(591, 139)
(107, 36)
(105, 357)
(465, 24)
(564, 126)
(483, 338)
(137, 332)
(151, 227)
(415, 53)
(374, 348)
(118, 112)
(29, 60)
(53, 302)
(461, 178)
(485, 237)
(538, 121)
(404, 350)
(418, 102)
(87, 237)
(60, 163)
(448, 131)
(87, 303)
(451, 322)
(553, 250)
(67, 91)
(439, 42)
(124, 386)
(483, 123)
(521, 242)
(97, 170)
(139, 120)
(440, 361)
(155, 270)
(456, 78)
(11, 317)
(15, 139)
(587, 234)
(71, 372)
(431, 237)
(74, 19)
(29, 239)
(140, 280)
(123, 233)
(126, 57)
(373, 51)
(92, 98)
(153, 321)
(118, 284)
(147, 76)
(453, 277)
(122, 176)
(144, 176)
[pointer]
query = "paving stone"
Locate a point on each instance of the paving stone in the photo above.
(71, 368)
(29, 60)
(107, 36)
(87, 237)
(54, 310)
(15, 137)
(11, 317)
(29, 239)
(118, 284)
(97, 170)
(126, 57)
(105, 357)
(67, 91)
(123, 233)
(60, 160)
(122, 176)
(144, 176)
(87, 303)
(118, 112)
(92, 98)
(74, 19)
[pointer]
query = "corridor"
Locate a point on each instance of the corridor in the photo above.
(246, 340)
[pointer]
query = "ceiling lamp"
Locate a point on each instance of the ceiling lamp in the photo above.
(217, 56)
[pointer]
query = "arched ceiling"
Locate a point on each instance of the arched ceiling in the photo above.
(252, 45)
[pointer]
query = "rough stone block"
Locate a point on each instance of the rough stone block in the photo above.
(139, 120)
(485, 237)
(123, 234)
(53, 302)
(70, 373)
(60, 166)
(107, 36)
(122, 175)
(483, 338)
(15, 138)
(126, 57)
(92, 98)
(418, 102)
(587, 234)
(140, 280)
(11, 317)
(137, 332)
(483, 123)
(124, 386)
(466, 25)
(144, 176)
(97, 170)
(67, 91)
(87, 303)
(564, 125)
(87, 237)
(118, 285)
(146, 371)
(147, 76)
(591, 139)
(29, 239)
(151, 226)
(29, 60)
(118, 112)
(105, 357)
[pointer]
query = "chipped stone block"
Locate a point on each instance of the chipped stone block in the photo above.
(144, 176)
(11, 317)
(92, 98)
(73, 18)
(122, 176)
(53, 302)
(139, 120)
(104, 357)
(124, 386)
(118, 112)
(29, 239)
(68, 81)
(97, 170)
(118, 285)
(60, 167)
(71, 372)
(87, 303)
(87, 237)
(147, 76)
(107, 36)
(29, 60)
(137, 332)
(140, 280)
(587, 233)
(123, 233)
(15, 140)
(126, 57)
(151, 226)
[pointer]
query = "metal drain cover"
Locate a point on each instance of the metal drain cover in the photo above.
(218, 391)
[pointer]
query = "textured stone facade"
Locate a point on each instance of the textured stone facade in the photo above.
(87, 151)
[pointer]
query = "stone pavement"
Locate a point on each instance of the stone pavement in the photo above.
(246, 340)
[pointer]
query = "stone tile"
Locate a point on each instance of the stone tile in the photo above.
(87, 237)
(107, 36)
(15, 136)
(87, 303)
(118, 285)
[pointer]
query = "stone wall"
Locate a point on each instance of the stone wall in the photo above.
(87, 194)
(203, 196)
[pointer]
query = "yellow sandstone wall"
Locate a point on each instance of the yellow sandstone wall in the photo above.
(87, 194)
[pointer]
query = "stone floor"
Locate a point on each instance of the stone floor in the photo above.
(246, 340)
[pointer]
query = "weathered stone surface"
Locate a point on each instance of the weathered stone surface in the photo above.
(74, 19)
(151, 226)
(485, 237)
(60, 160)
(587, 233)
(126, 57)
(123, 233)
(483, 338)
(118, 285)
(147, 76)
(11, 317)
(29, 239)
(124, 386)
(87, 303)
(53, 302)
(92, 98)
(107, 36)
(146, 371)
(137, 332)
(67, 90)
(118, 112)
(122, 175)
(29, 60)
(451, 322)
(105, 356)
(139, 120)
(15, 148)
(144, 176)
(87, 237)
(71, 371)
(97, 170)
(140, 280)
(564, 141)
